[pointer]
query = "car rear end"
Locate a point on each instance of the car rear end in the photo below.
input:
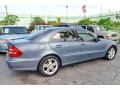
(21, 55)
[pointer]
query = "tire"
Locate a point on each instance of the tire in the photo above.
(49, 66)
(110, 54)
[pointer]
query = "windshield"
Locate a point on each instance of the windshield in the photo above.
(100, 28)
(13, 30)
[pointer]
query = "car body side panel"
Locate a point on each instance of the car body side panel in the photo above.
(70, 51)
(91, 50)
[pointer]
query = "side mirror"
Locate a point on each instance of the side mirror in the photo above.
(97, 39)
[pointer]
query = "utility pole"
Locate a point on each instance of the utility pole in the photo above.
(101, 7)
(6, 10)
(66, 12)
(45, 17)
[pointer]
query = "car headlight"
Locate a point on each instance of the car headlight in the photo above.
(4, 41)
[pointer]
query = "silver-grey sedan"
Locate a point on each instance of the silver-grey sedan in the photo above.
(48, 50)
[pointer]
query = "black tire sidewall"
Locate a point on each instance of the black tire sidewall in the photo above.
(40, 67)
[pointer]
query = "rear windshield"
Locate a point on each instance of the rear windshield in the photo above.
(38, 33)
(63, 25)
(13, 30)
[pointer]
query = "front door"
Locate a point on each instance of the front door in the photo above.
(89, 47)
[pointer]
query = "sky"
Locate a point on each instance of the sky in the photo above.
(58, 7)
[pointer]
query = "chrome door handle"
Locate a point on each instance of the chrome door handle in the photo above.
(83, 43)
(58, 46)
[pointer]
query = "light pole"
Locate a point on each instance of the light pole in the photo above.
(67, 11)
(6, 10)
(45, 17)
(101, 7)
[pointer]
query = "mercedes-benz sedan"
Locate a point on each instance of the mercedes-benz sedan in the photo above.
(48, 50)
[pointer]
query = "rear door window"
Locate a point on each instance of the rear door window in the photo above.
(65, 36)
(84, 27)
(90, 28)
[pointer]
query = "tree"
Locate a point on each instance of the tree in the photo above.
(86, 21)
(2, 22)
(107, 23)
(10, 20)
(38, 21)
(54, 23)
(58, 20)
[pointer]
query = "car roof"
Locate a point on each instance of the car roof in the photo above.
(66, 28)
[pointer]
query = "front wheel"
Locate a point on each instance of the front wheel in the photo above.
(110, 54)
(49, 66)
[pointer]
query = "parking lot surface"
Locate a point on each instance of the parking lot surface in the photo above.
(94, 72)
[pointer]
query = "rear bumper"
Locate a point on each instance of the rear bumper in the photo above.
(22, 64)
(3, 47)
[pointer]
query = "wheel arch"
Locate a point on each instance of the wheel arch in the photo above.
(114, 47)
(50, 55)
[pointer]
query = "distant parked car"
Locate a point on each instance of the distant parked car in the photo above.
(46, 51)
(101, 32)
(66, 25)
(41, 27)
(11, 32)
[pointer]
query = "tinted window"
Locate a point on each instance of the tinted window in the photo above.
(38, 34)
(63, 25)
(84, 27)
(14, 30)
(86, 36)
(64, 36)
(90, 28)
(41, 27)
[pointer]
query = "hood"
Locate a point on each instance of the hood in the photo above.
(13, 37)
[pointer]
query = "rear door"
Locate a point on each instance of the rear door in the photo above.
(67, 45)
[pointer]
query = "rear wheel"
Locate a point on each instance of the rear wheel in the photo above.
(110, 54)
(49, 66)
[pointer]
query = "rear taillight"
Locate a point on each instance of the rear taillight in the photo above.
(13, 51)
